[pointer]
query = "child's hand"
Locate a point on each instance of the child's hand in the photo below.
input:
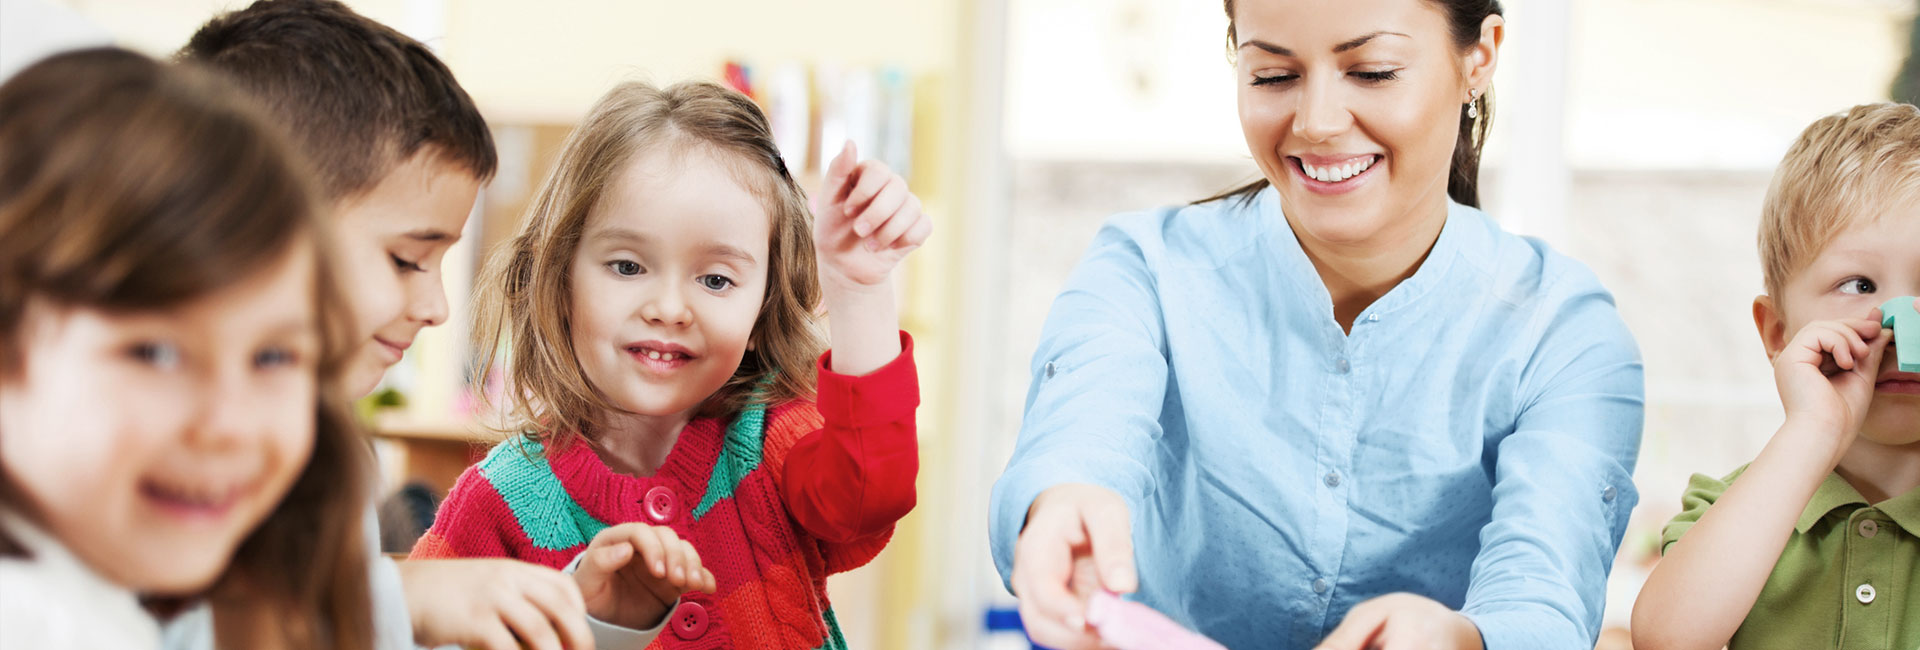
(1826, 374)
(865, 221)
(1403, 621)
(1078, 539)
(493, 604)
(633, 573)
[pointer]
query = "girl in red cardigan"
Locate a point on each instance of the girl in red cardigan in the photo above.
(688, 449)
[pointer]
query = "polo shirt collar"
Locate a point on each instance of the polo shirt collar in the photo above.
(1834, 493)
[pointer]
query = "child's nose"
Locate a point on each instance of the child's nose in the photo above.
(667, 307)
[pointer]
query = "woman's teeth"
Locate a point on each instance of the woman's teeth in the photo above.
(1337, 173)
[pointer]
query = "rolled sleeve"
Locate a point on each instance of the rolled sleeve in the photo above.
(1563, 484)
(1099, 382)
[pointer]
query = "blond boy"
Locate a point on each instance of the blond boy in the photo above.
(1813, 544)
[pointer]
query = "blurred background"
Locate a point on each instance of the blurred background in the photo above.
(1635, 135)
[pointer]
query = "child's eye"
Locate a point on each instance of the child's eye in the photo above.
(1858, 286)
(272, 357)
(164, 356)
(716, 282)
(406, 265)
(625, 268)
(1376, 76)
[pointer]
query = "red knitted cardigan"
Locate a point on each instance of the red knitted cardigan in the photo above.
(774, 500)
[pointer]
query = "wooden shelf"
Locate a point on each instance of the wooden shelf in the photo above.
(406, 429)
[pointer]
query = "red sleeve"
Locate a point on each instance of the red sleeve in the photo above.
(854, 476)
(473, 521)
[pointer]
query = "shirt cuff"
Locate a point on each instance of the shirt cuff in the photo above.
(607, 636)
(886, 395)
(1508, 628)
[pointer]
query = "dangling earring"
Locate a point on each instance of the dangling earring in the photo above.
(1473, 110)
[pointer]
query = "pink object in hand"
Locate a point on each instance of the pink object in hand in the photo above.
(1133, 626)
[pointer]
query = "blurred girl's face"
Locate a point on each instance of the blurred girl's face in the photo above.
(152, 443)
(1351, 109)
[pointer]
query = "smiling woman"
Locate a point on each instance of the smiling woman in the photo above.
(1394, 421)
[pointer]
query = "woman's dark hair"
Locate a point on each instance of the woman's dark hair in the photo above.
(1464, 18)
(128, 185)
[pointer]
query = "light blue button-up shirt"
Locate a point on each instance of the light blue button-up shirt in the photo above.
(1472, 440)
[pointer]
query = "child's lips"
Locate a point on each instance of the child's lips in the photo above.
(394, 350)
(1898, 383)
(659, 356)
(193, 501)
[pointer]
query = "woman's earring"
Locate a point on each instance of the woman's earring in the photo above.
(1473, 110)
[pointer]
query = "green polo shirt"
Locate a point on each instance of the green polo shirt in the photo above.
(1848, 579)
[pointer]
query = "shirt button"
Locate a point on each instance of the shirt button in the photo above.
(1333, 479)
(1049, 369)
(1865, 594)
(1342, 366)
(689, 621)
(1869, 528)
(1319, 585)
(1373, 318)
(1608, 494)
(660, 506)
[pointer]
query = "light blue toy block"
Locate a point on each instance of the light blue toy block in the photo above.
(1899, 315)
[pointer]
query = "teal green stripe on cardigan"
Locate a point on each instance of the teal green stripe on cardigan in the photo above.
(739, 455)
(518, 470)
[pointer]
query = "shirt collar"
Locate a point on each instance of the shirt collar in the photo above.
(1835, 493)
(1467, 233)
(1904, 510)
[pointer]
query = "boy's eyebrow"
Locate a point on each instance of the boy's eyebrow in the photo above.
(431, 235)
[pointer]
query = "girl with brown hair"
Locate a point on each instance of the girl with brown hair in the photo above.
(167, 430)
(655, 313)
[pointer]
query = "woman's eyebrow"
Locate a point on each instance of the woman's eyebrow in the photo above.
(1267, 46)
(1357, 42)
(1349, 44)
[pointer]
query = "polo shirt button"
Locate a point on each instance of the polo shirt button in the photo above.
(1333, 479)
(1319, 585)
(1342, 366)
(1869, 528)
(660, 506)
(1608, 494)
(1865, 594)
(689, 621)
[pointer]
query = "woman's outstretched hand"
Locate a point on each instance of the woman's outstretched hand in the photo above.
(1078, 539)
(1397, 621)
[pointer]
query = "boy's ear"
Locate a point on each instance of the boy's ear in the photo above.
(1773, 327)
